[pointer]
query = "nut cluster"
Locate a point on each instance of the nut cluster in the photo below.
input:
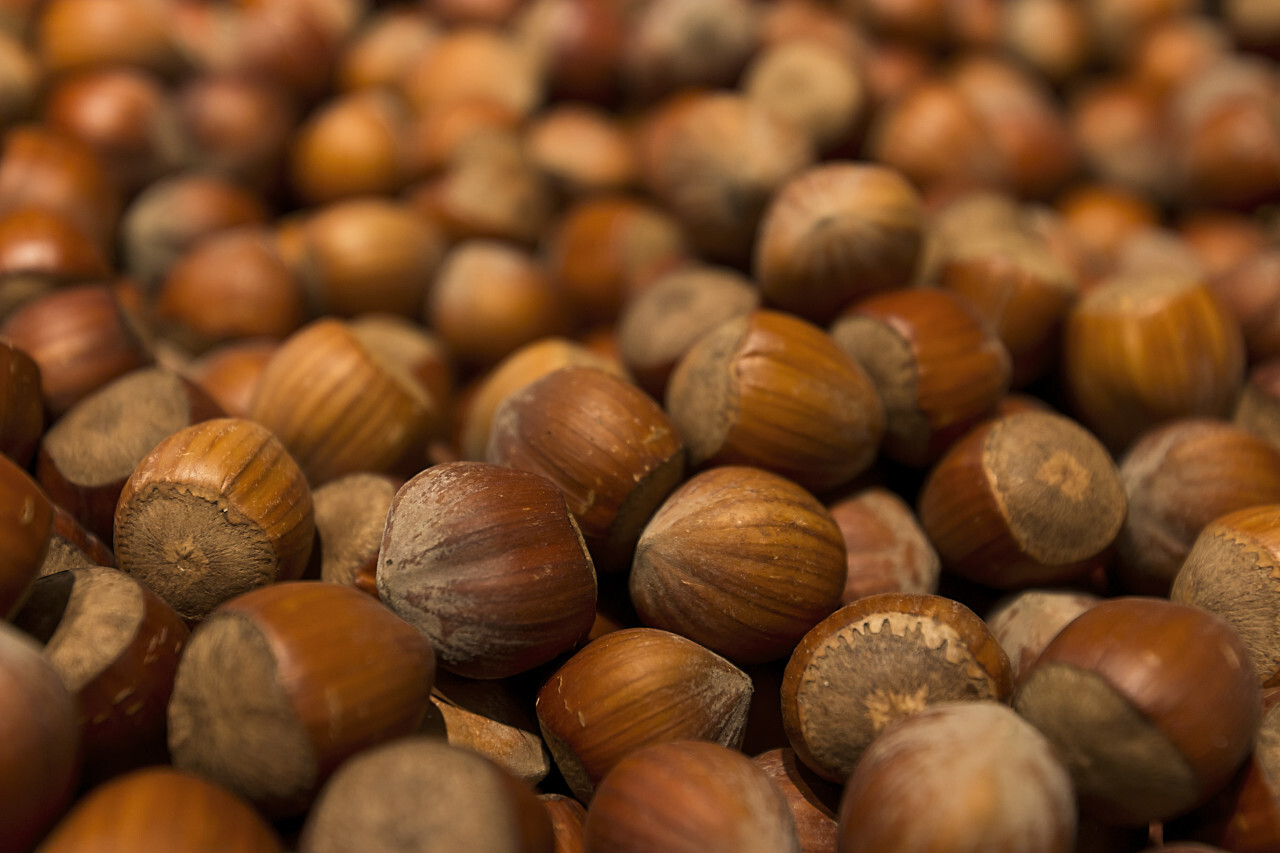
(639, 425)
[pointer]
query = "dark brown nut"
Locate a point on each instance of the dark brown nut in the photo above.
(88, 454)
(21, 405)
(267, 704)
(1152, 706)
(431, 796)
(737, 398)
(836, 232)
(1178, 478)
(937, 365)
(917, 786)
(1024, 500)
(632, 688)
(26, 524)
(741, 561)
(487, 562)
(606, 445)
(886, 549)
(688, 796)
(115, 644)
(213, 511)
(877, 660)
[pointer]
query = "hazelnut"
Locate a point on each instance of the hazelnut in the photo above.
(590, 710)
(886, 549)
(73, 547)
(673, 46)
(576, 46)
(736, 398)
(686, 796)
(473, 63)
(21, 406)
(384, 47)
(229, 372)
(352, 146)
(1025, 622)
(487, 717)
(78, 34)
(489, 565)
(741, 561)
(351, 515)
(1151, 705)
(812, 800)
(1025, 500)
(877, 660)
(568, 822)
(26, 522)
(815, 86)
(214, 510)
(237, 127)
(280, 685)
(584, 151)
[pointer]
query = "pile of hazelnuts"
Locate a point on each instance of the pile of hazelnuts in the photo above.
(639, 426)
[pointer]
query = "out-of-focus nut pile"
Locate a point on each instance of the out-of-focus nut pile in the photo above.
(639, 426)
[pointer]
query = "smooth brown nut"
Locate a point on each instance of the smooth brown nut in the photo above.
(1142, 350)
(673, 46)
(819, 87)
(160, 808)
(280, 685)
(568, 822)
(26, 524)
(423, 794)
(635, 687)
(932, 783)
(737, 397)
(1178, 478)
(214, 510)
(837, 232)
(584, 151)
(1024, 500)
(877, 660)
(351, 146)
(115, 644)
(488, 564)
(741, 561)
(1228, 572)
(886, 549)
(45, 168)
(937, 365)
(1151, 705)
(608, 446)
(88, 454)
(229, 373)
(812, 800)
(689, 796)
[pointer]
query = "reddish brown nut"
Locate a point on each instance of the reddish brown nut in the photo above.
(812, 800)
(369, 255)
(606, 445)
(687, 796)
(229, 373)
(1141, 350)
(577, 45)
(837, 232)
(488, 564)
(75, 34)
(489, 718)
(425, 794)
(238, 127)
(632, 688)
(1178, 478)
(268, 705)
(1151, 705)
(339, 405)
(88, 454)
(737, 397)
(21, 404)
(115, 644)
(962, 794)
(1251, 292)
(1025, 500)
(351, 146)
(81, 338)
(41, 250)
(1228, 572)
(568, 822)
(658, 325)
(741, 561)
(26, 520)
(199, 304)
(490, 298)
(886, 549)
(214, 510)
(1121, 127)
(351, 514)
(162, 808)
(583, 150)
(715, 159)
(877, 660)
(473, 63)
(937, 365)
(1025, 622)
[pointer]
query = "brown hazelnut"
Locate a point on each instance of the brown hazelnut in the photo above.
(73, 547)
(741, 561)
(229, 373)
(488, 717)
(1250, 290)
(351, 146)
(577, 46)
(26, 519)
(568, 822)
(487, 562)
(237, 127)
(815, 86)
(886, 549)
(1178, 478)
(1122, 130)
(960, 792)
(351, 514)
(583, 150)
(1152, 706)
(439, 136)
(1024, 622)
(812, 800)
(632, 688)
(473, 63)
(280, 685)
(686, 796)
(21, 405)
(673, 46)
(836, 232)
(214, 510)
(726, 397)
(877, 660)
(936, 362)
(1051, 36)
(606, 445)
(385, 46)
(77, 34)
